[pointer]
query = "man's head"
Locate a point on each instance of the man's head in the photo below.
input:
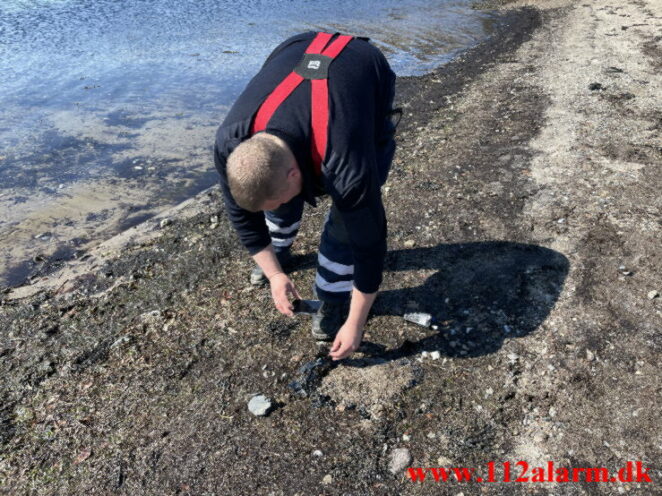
(263, 173)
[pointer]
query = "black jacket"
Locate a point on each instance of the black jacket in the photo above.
(359, 149)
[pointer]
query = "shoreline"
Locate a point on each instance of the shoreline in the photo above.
(467, 64)
(101, 171)
(523, 213)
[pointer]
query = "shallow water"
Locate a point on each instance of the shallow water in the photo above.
(108, 108)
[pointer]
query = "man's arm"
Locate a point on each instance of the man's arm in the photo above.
(364, 218)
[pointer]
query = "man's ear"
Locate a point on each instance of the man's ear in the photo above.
(293, 172)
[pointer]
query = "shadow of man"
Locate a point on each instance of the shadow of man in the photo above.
(480, 294)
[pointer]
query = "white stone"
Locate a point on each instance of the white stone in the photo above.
(259, 405)
(400, 460)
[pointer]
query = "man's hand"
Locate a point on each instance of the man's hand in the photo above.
(350, 334)
(347, 341)
(281, 285)
(281, 288)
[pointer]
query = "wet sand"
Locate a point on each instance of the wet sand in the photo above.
(157, 161)
(524, 214)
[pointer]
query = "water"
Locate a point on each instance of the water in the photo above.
(108, 107)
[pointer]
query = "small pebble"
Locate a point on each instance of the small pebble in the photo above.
(410, 243)
(653, 294)
(406, 437)
(400, 460)
(317, 453)
(328, 479)
(259, 405)
(435, 355)
(120, 342)
(165, 222)
(422, 319)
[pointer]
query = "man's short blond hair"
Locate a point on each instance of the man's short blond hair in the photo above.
(257, 172)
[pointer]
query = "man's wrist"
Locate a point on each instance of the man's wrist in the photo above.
(353, 325)
(274, 274)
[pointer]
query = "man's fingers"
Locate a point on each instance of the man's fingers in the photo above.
(286, 308)
(291, 289)
(339, 354)
(287, 312)
(336, 344)
(339, 351)
(281, 301)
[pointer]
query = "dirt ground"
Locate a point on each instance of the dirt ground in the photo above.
(524, 214)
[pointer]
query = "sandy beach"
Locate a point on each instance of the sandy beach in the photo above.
(524, 215)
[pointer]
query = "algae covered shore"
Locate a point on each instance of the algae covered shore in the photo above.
(524, 214)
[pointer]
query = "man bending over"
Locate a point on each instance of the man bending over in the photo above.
(315, 120)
